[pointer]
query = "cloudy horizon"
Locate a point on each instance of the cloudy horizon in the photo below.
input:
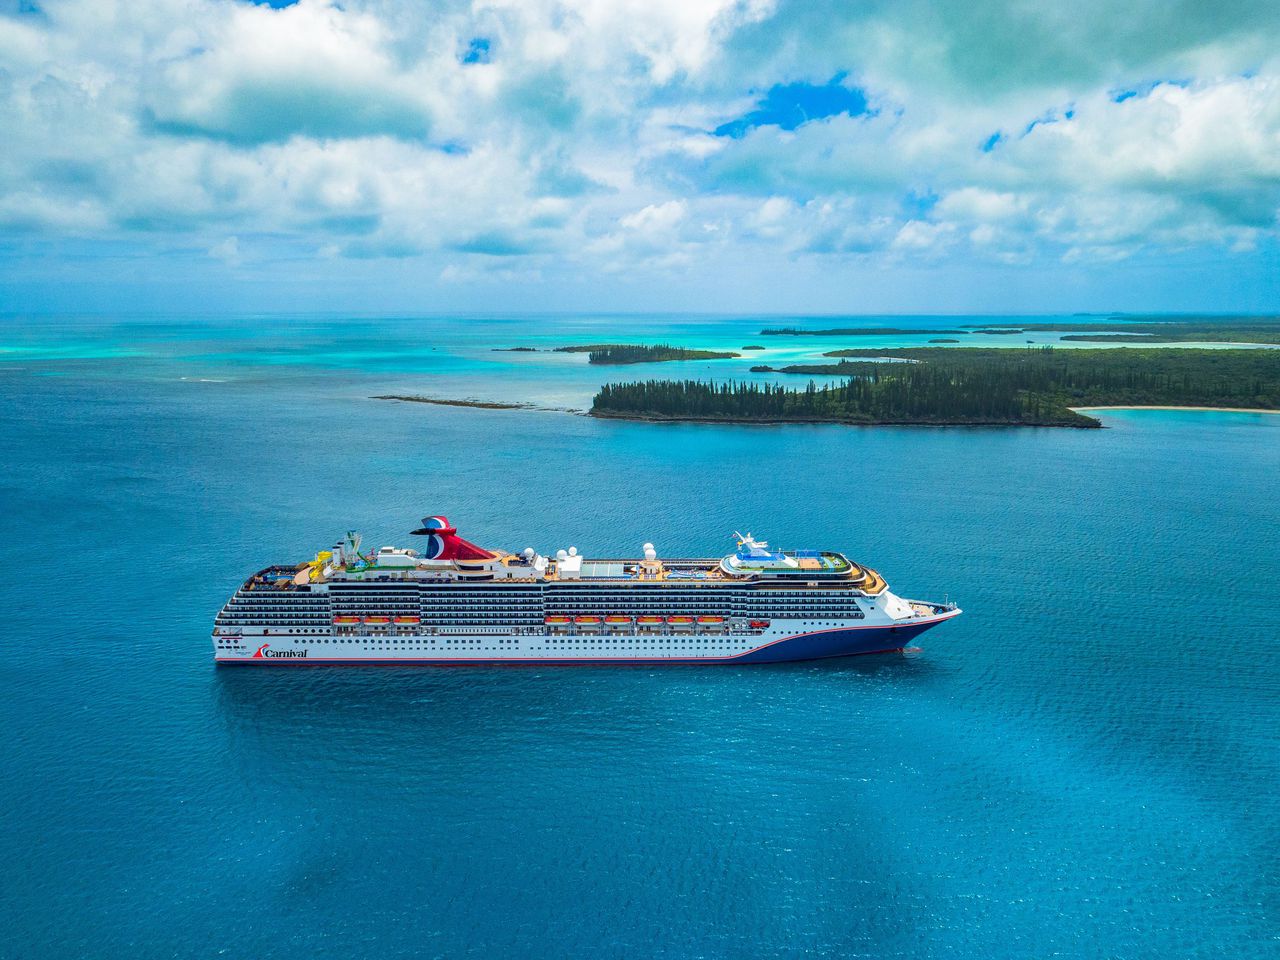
(702, 156)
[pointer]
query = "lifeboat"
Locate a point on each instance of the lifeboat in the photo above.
(711, 621)
(586, 621)
(680, 621)
(759, 624)
(408, 619)
(615, 620)
(650, 621)
(345, 620)
(377, 621)
(557, 621)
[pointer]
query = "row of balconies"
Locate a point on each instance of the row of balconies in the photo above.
(490, 615)
(274, 605)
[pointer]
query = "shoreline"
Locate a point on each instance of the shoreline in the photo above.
(1165, 407)
(812, 421)
(801, 421)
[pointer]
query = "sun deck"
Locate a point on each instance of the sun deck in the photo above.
(828, 569)
(803, 561)
(449, 559)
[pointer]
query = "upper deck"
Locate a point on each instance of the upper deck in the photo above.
(450, 559)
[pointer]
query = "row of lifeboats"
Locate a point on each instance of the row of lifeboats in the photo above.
(615, 620)
(375, 621)
(562, 620)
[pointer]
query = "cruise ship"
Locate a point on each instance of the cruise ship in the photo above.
(452, 602)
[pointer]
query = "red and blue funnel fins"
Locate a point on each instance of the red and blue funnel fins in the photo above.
(443, 542)
(434, 526)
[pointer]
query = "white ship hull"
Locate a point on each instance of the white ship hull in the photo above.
(781, 641)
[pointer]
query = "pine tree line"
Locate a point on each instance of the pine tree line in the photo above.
(1035, 386)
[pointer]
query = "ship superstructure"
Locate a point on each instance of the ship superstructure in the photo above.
(454, 602)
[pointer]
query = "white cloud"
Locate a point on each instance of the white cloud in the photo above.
(259, 74)
(656, 219)
(228, 251)
(356, 130)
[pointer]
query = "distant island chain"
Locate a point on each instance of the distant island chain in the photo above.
(947, 382)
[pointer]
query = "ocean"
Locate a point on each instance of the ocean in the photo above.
(1085, 764)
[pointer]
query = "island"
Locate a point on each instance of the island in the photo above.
(966, 386)
(754, 347)
(854, 332)
(1117, 329)
(1155, 329)
(845, 368)
(479, 404)
(622, 353)
(515, 349)
(943, 340)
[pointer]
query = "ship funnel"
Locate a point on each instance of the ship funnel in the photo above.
(443, 542)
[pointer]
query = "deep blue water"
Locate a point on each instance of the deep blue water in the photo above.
(1085, 764)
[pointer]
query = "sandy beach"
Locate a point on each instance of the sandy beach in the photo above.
(1150, 407)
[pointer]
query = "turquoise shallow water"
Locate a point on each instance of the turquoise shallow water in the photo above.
(1084, 764)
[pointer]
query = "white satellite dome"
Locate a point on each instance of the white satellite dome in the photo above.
(573, 551)
(561, 555)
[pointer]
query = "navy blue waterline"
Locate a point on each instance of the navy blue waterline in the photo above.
(1084, 764)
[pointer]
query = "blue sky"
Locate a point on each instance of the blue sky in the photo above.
(681, 155)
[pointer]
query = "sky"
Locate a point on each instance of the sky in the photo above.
(779, 156)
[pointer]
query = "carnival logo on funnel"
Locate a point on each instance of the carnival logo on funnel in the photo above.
(265, 652)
